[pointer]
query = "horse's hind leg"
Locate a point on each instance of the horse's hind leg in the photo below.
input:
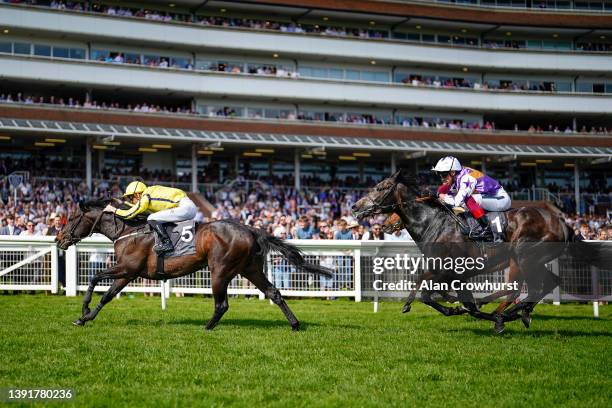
(115, 288)
(219, 288)
(255, 274)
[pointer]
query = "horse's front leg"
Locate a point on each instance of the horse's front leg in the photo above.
(107, 273)
(115, 288)
(412, 295)
(446, 311)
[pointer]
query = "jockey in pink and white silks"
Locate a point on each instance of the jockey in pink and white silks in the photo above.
(474, 190)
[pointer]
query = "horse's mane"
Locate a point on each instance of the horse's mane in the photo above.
(100, 203)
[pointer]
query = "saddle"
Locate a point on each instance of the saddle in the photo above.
(498, 220)
(182, 236)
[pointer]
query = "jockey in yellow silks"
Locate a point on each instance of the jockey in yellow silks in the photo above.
(165, 204)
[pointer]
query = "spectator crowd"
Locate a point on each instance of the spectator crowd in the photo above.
(338, 117)
(43, 206)
(323, 29)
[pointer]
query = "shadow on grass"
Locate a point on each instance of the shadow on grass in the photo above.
(262, 323)
(553, 317)
(517, 332)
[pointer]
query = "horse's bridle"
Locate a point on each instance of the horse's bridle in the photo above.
(70, 234)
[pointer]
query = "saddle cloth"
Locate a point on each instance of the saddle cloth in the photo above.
(498, 221)
(182, 235)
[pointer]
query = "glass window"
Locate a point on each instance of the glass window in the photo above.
(336, 73)
(564, 86)
(368, 75)
(206, 65)
(61, 52)
(534, 44)
(152, 59)
(99, 55)
(272, 113)
(381, 77)
(352, 75)
(444, 39)
(584, 87)
(43, 50)
(609, 88)
(77, 53)
(6, 47)
(255, 113)
(413, 36)
(305, 71)
(319, 72)
(179, 62)
(132, 58)
(429, 38)
(22, 48)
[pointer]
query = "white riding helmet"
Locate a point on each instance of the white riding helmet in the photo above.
(448, 163)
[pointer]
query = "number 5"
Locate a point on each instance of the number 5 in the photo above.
(497, 224)
(186, 234)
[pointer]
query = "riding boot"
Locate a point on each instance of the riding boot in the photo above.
(485, 229)
(165, 244)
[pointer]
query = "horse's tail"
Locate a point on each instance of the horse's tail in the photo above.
(290, 252)
(595, 253)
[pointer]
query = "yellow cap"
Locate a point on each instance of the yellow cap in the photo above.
(134, 187)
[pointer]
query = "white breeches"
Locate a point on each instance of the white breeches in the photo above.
(499, 202)
(186, 210)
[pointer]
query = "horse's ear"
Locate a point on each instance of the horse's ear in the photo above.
(116, 200)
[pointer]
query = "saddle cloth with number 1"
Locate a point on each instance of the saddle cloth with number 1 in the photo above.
(182, 235)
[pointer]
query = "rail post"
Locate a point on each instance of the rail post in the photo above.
(595, 288)
(357, 272)
(557, 290)
(71, 271)
(54, 269)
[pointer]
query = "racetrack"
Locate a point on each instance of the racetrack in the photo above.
(135, 354)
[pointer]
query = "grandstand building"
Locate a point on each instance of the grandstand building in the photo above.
(310, 89)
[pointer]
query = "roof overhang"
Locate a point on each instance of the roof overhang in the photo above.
(307, 141)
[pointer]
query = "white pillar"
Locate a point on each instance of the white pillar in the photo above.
(577, 187)
(194, 168)
(297, 174)
(88, 164)
(393, 163)
(71, 271)
(483, 166)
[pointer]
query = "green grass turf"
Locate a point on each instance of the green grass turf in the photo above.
(134, 354)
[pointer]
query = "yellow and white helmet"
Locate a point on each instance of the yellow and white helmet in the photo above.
(135, 187)
(448, 163)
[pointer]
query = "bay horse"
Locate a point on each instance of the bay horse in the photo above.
(227, 247)
(535, 237)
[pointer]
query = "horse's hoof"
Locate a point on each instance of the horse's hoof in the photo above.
(499, 325)
(406, 308)
(526, 319)
(78, 322)
(295, 327)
